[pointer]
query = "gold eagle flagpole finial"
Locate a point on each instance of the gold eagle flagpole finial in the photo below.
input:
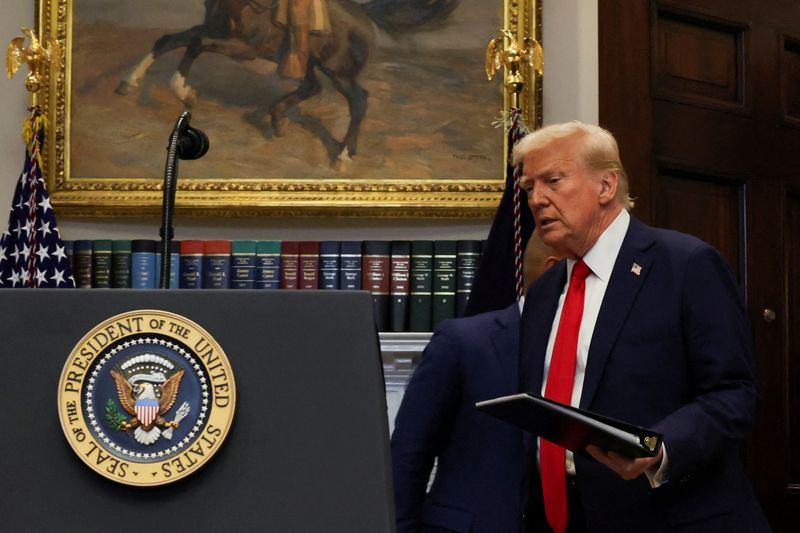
(37, 56)
(512, 56)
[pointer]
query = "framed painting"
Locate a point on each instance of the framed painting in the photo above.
(369, 108)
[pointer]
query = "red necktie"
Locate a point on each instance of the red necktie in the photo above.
(552, 458)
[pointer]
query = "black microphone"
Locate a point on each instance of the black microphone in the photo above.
(185, 142)
(192, 143)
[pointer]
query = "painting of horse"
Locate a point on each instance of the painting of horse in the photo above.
(393, 89)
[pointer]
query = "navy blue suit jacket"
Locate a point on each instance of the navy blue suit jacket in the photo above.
(671, 350)
(477, 484)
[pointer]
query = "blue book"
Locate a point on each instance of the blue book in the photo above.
(69, 252)
(174, 265)
(329, 264)
(191, 264)
(268, 264)
(350, 265)
(143, 264)
(217, 264)
(243, 264)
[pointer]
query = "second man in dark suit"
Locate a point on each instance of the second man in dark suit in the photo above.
(479, 473)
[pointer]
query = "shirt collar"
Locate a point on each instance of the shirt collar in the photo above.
(601, 257)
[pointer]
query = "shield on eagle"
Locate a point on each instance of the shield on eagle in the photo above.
(146, 410)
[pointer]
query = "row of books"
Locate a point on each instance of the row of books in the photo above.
(414, 284)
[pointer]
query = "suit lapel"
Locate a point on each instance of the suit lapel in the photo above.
(505, 341)
(537, 321)
(629, 274)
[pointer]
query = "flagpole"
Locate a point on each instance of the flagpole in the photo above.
(512, 53)
(32, 253)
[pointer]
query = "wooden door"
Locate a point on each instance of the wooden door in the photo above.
(704, 97)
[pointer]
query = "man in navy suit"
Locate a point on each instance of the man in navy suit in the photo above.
(659, 338)
(477, 487)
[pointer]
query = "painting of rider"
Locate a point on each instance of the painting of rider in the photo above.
(344, 91)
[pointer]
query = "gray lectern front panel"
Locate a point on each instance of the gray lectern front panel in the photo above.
(308, 450)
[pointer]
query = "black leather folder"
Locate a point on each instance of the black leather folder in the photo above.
(572, 428)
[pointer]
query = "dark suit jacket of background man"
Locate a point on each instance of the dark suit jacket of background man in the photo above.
(477, 486)
(671, 350)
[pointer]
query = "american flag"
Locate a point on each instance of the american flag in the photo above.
(31, 250)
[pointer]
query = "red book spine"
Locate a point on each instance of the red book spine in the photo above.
(309, 264)
(376, 279)
(375, 274)
(290, 264)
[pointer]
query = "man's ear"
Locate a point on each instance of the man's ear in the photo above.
(550, 261)
(608, 187)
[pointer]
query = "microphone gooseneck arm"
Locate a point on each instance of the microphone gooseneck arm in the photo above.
(185, 142)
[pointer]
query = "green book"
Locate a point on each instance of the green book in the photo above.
(468, 255)
(444, 281)
(121, 264)
(421, 286)
(101, 264)
(82, 257)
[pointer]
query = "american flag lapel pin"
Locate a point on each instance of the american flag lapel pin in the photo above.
(636, 269)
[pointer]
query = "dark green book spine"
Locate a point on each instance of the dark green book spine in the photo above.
(121, 264)
(468, 254)
(101, 264)
(399, 287)
(82, 258)
(444, 281)
(421, 286)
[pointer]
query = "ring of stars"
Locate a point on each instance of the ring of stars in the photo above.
(175, 448)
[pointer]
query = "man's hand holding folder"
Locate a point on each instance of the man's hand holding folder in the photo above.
(626, 467)
(627, 449)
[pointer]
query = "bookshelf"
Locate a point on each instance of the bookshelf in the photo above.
(414, 284)
(401, 353)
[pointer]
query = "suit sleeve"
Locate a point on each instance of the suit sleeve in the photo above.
(723, 399)
(423, 424)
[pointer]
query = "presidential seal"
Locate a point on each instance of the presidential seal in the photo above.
(146, 398)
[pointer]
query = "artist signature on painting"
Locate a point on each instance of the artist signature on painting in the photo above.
(470, 157)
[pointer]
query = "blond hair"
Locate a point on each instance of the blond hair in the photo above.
(598, 151)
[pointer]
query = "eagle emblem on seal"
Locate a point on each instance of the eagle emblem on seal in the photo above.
(147, 387)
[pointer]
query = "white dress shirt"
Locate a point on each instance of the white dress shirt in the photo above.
(600, 259)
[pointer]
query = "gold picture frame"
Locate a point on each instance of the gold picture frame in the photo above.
(105, 151)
